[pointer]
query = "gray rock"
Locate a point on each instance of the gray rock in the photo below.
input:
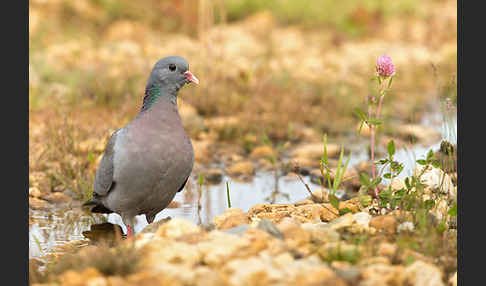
(268, 226)
(238, 230)
(350, 274)
(208, 226)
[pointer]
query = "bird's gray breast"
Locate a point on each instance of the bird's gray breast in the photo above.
(152, 159)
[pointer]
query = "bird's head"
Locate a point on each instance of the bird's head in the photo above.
(171, 73)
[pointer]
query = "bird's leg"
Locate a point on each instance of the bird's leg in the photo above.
(129, 231)
(129, 222)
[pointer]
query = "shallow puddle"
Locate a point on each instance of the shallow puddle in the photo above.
(54, 228)
(50, 229)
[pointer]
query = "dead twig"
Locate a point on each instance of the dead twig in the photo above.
(314, 197)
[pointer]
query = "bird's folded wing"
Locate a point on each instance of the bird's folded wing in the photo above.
(104, 174)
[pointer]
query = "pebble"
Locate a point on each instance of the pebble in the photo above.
(176, 227)
(264, 151)
(453, 280)
(243, 169)
(415, 132)
(269, 227)
(387, 249)
(387, 223)
(230, 218)
(420, 273)
(213, 176)
(363, 219)
(341, 222)
(38, 204)
(57, 198)
(405, 226)
(315, 151)
(238, 230)
(436, 181)
(34, 192)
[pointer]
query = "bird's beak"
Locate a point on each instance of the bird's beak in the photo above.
(191, 77)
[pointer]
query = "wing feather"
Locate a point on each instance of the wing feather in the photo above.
(103, 182)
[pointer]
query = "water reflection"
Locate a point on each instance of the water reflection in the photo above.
(51, 229)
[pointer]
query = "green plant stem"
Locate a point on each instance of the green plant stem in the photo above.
(373, 169)
(378, 111)
(228, 195)
(372, 133)
(372, 129)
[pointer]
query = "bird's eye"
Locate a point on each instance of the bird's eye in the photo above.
(172, 67)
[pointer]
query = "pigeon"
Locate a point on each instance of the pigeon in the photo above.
(150, 159)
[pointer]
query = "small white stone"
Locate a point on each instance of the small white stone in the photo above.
(362, 218)
(406, 226)
(436, 180)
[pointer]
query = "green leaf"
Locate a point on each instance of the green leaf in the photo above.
(360, 127)
(375, 182)
(265, 139)
(387, 176)
(382, 161)
(400, 169)
(365, 200)
(391, 148)
(385, 196)
(453, 210)
(360, 113)
(429, 204)
(324, 160)
(441, 227)
(430, 155)
(414, 180)
(364, 179)
(407, 183)
(346, 164)
(421, 162)
(340, 170)
(409, 260)
(271, 160)
(324, 141)
(390, 82)
(396, 167)
(344, 211)
(200, 180)
(400, 193)
(38, 244)
(374, 121)
(436, 164)
(334, 201)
